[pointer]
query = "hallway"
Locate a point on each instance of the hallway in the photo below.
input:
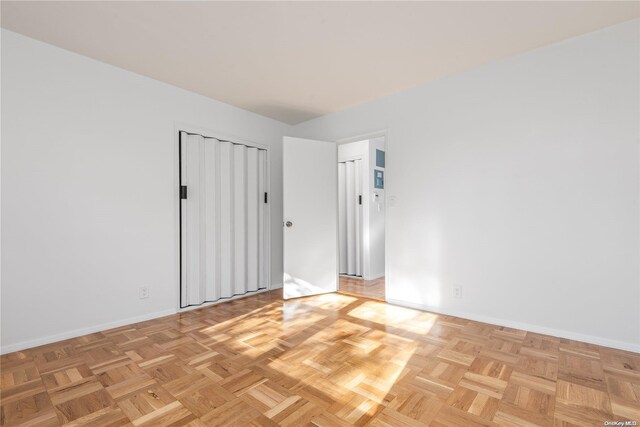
(357, 286)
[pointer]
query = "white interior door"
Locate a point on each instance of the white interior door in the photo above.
(310, 196)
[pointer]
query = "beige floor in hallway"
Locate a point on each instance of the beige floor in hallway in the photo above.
(359, 287)
(327, 360)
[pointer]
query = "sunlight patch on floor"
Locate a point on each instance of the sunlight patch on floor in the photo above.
(341, 355)
(332, 301)
(386, 314)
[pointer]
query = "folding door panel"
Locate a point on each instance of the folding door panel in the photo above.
(357, 180)
(253, 200)
(342, 217)
(263, 222)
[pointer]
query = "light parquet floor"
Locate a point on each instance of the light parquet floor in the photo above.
(359, 287)
(329, 360)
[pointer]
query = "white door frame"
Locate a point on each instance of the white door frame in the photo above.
(370, 135)
(185, 127)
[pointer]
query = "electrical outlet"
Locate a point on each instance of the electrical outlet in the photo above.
(144, 292)
(457, 292)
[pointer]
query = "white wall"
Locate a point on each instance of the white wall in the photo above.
(89, 190)
(519, 182)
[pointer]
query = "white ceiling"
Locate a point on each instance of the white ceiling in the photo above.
(294, 61)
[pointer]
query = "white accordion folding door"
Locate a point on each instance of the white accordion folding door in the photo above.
(224, 228)
(350, 217)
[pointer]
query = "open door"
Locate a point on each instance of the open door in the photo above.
(310, 203)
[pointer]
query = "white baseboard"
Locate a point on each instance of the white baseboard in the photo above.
(606, 342)
(10, 348)
(479, 318)
(83, 331)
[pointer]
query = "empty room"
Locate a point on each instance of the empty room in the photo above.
(368, 213)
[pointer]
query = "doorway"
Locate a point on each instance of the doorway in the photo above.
(361, 218)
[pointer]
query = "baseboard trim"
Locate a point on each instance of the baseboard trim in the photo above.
(83, 331)
(591, 339)
(621, 345)
(10, 348)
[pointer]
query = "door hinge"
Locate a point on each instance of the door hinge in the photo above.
(266, 197)
(183, 192)
(360, 199)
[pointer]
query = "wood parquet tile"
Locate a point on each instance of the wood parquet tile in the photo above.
(329, 360)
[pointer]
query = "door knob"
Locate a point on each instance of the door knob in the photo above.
(288, 223)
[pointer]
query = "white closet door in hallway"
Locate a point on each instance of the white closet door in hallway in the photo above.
(350, 217)
(224, 226)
